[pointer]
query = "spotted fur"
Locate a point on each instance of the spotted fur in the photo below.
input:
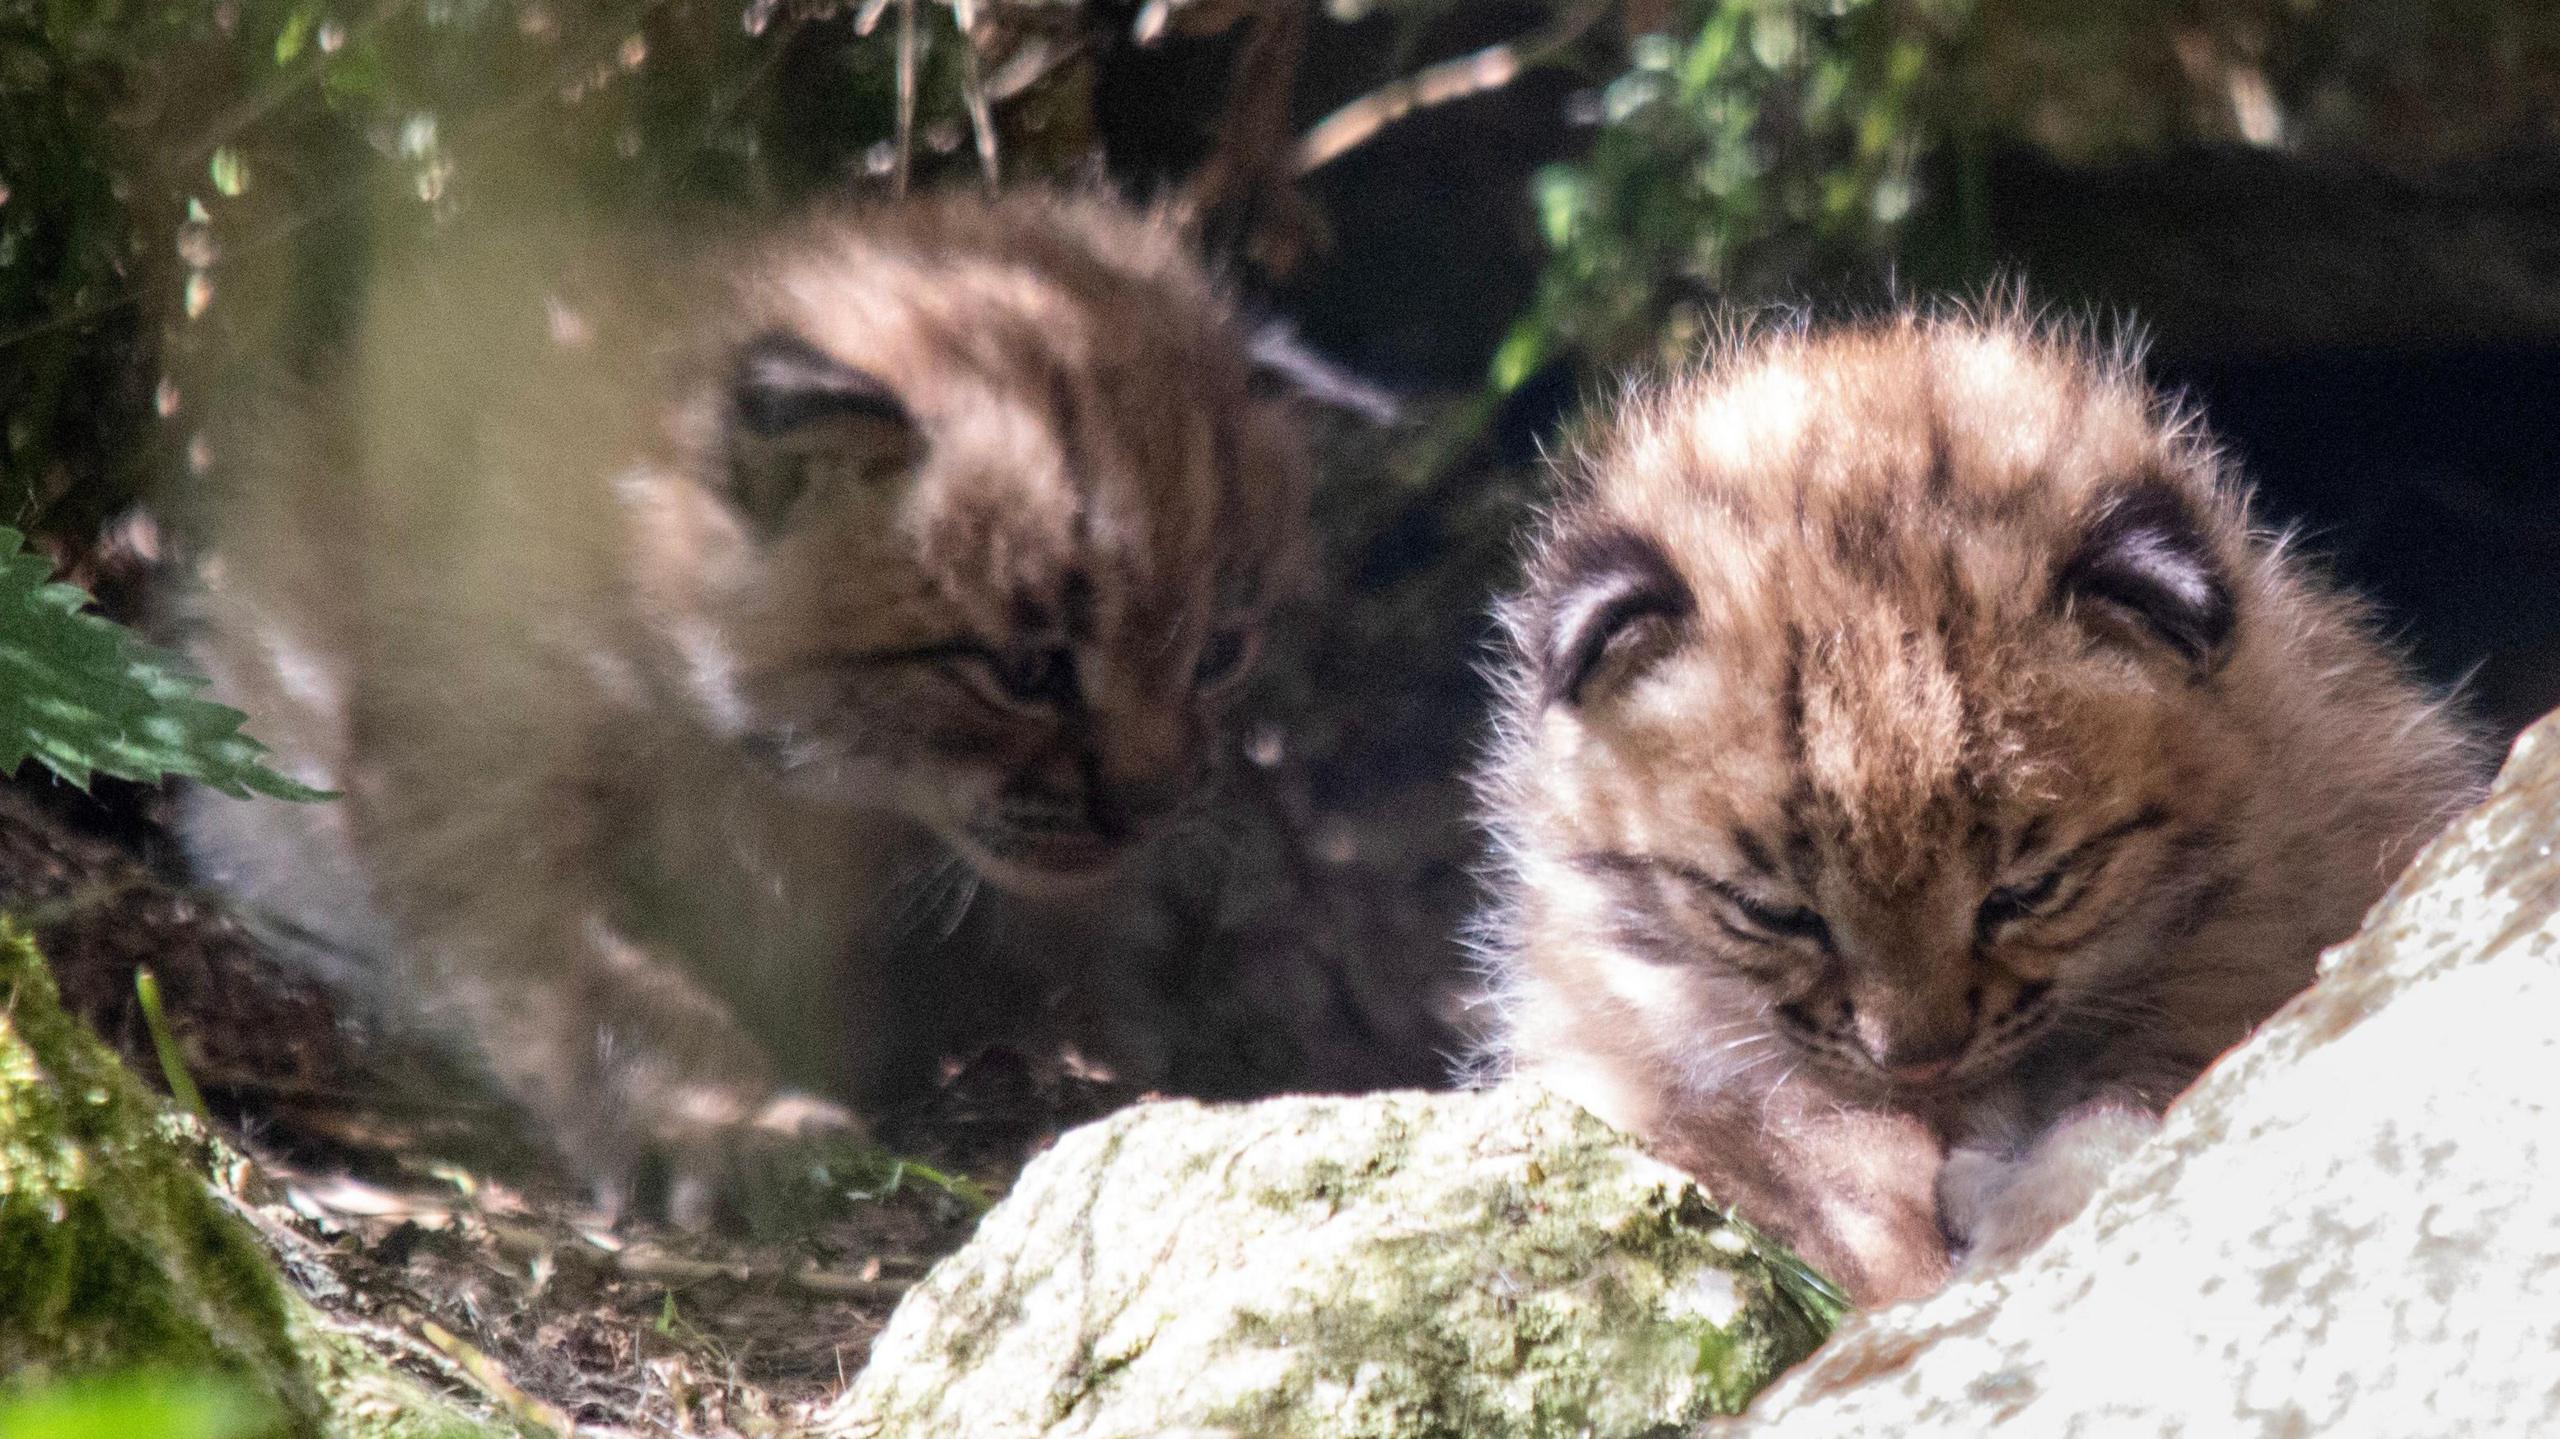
(693, 634)
(1908, 743)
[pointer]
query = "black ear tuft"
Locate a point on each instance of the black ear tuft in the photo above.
(1592, 590)
(2145, 554)
(783, 382)
(798, 417)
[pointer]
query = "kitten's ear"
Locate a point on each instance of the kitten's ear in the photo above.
(2145, 556)
(799, 418)
(1598, 597)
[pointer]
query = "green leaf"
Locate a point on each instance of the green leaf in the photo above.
(229, 170)
(1522, 352)
(289, 42)
(80, 694)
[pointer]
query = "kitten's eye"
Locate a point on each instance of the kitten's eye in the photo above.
(2017, 901)
(1785, 921)
(1224, 659)
(1033, 678)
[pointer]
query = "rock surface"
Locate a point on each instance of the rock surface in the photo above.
(115, 1255)
(1397, 1265)
(2349, 1227)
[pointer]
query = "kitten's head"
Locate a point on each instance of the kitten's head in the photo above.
(997, 518)
(1870, 711)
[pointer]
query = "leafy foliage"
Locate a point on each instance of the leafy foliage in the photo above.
(1761, 144)
(163, 159)
(81, 695)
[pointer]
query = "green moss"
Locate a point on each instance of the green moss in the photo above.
(1397, 1266)
(1569, 1315)
(119, 1258)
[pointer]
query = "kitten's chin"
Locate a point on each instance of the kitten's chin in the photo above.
(1046, 866)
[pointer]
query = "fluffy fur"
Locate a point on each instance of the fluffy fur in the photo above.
(690, 636)
(1913, 769)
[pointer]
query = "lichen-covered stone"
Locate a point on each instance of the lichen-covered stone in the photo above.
(116, 1256)
(1391, 1267)
(2349, 1227)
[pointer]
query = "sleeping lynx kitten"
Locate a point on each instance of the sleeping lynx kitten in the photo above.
(1913, 771)
(689, 639)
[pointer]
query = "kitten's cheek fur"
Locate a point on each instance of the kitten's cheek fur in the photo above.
(1996, 1207)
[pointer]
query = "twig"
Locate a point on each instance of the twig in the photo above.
(656, 1267)
(1490, 68)
(173, 1065)
(906, 96)
(1241, 196)
(973, 93)
(493, 1381)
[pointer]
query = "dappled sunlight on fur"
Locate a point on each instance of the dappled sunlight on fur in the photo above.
(1905, 731)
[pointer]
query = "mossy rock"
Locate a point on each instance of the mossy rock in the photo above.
(1393, 1266)
(116, 1257)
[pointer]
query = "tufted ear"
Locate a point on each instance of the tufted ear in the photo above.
(1598, 596)
(799, 418)
(2145, 556)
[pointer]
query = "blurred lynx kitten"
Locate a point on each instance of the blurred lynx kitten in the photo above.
(689, 638)
(1913, 771)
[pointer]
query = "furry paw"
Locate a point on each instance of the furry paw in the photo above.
(725, 1163)
(1996, 1206)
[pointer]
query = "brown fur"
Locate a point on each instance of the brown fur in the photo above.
(1838, 649)
(690, 637)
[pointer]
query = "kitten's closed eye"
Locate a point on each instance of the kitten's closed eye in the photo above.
(1780, 921)
(2017, 901)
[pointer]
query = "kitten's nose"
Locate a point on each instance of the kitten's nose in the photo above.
(1908, 1055)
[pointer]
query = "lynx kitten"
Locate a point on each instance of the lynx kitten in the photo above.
(1913, 770)
(690, 638)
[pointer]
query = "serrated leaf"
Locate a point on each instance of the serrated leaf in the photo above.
(82, 695)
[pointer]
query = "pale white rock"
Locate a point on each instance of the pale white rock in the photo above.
(2350, 1226)
(1394, 1265)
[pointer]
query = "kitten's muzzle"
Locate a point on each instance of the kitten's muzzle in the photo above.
(1055, 836)
(1911, 1056)
(1031, 861)
(1919, 1073)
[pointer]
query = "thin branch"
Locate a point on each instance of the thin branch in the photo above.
(864, 21)
(1487, 69)
(906, 96)
(973, 92)
(493, 1382)
(657, 1267)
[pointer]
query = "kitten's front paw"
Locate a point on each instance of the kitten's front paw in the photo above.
(765, 1171)
(1996, 1206)
(706, 1155)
